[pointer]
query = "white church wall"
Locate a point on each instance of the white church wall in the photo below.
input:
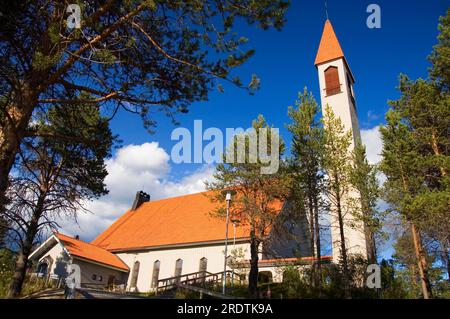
(191, 261)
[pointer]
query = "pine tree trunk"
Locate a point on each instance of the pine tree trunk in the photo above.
(342, 243)
(318, 246)
(371, 246)
(25, 251)
(312, 240)
(21, 265)
(253, 275)
(17, 116)
(368, 233)
(19, 275)
(422, 263)
(436, 151)
(418, 249)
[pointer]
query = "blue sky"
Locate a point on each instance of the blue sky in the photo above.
(284, 61)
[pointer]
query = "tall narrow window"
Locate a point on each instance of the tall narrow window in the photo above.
(202, 269)
(332, 81)
(155, 275)
(178, 269)
(203, 265)
(134, 274)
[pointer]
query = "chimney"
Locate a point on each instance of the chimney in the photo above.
(77, 237)
(140, 198)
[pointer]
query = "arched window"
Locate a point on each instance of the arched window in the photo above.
(178, 269)
(134, 274)
(332, 84)
(155, 274)
(203, 265)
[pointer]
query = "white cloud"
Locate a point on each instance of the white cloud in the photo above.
(133, 168)
(372, 140)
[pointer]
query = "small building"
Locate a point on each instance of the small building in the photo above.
(98, 266)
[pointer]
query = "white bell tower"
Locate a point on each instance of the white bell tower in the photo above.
(336, 89)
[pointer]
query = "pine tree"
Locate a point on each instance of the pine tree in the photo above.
(403, 181)
(139, 56)
(258, 198)
(364, 179)
(53, 178)
(336, 162)
(307, 177)
(416, 155)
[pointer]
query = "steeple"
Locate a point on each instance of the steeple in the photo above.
(336, 90)
(329, 48)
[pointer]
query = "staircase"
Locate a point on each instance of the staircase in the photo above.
(199, 279)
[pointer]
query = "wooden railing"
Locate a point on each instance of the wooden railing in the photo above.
(200, 278)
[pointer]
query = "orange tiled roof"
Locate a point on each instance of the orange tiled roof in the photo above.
(329, 48)
(178, 220)
(88, 251)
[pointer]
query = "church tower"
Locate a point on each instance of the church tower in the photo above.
(336, 89)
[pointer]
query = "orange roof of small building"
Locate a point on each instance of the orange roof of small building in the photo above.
(173, 221)
(79, 248)
(329, 48)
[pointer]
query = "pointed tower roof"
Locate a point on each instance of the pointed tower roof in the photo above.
(329, 48)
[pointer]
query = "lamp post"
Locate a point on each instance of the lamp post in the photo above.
(234, 221)
(227, 194)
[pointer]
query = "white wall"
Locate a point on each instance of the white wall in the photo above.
(59, 260)
(89, 269)
(191, 260)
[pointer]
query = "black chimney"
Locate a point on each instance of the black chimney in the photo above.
(77, 237)
(140, 198)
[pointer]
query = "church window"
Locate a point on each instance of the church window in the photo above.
(203, 265)
(332, 85)
(134, 274)
(155, 275)
(178, 268)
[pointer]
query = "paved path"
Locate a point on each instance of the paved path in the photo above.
(99, 294)
(50, 293)
(53, 293)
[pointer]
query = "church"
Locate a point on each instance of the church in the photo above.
(157, 243)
